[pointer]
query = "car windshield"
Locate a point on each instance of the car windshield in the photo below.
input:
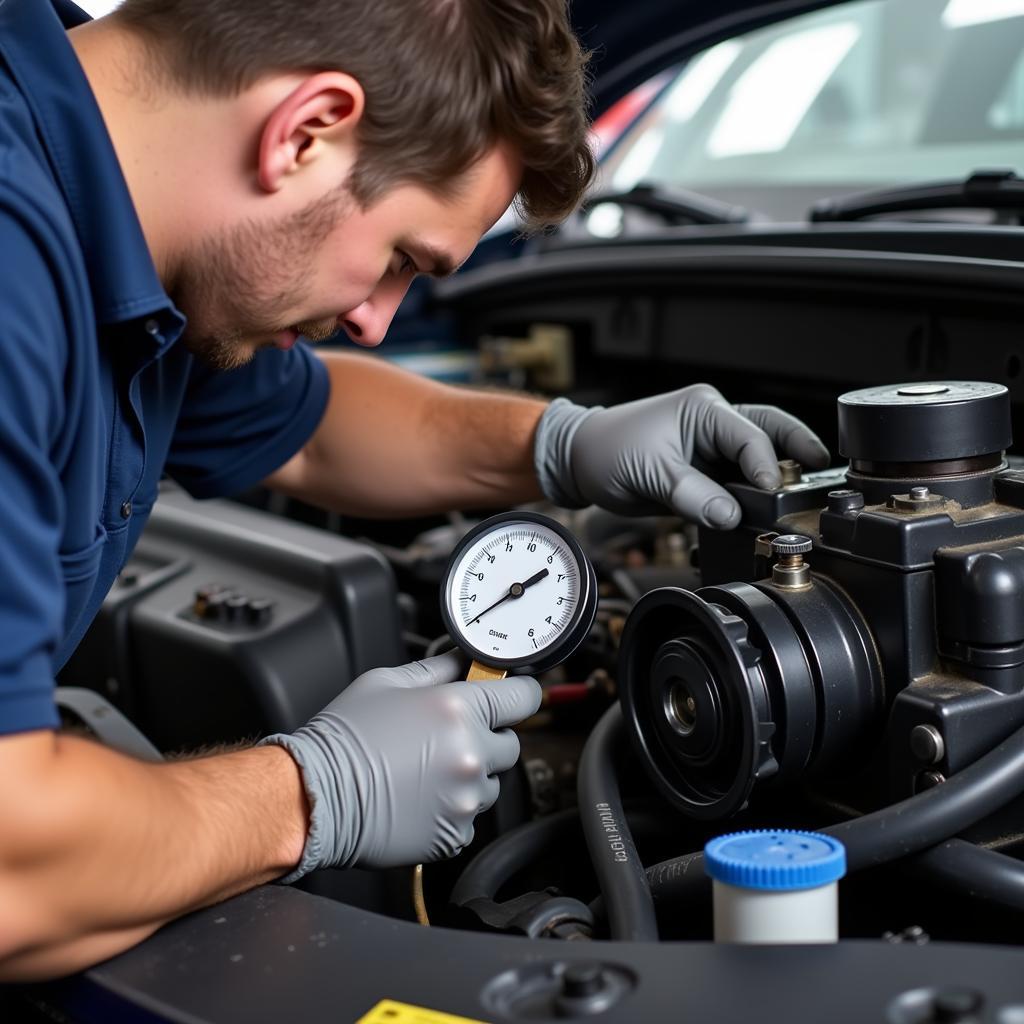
(862, 95)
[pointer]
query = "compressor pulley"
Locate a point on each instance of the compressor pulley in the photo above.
(741, 683)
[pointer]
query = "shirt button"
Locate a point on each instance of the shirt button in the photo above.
(126, 510)
(152, 327)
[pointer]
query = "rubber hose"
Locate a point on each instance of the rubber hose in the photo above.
(988, 874)
(955, 864)
(620, 874)
(680, 877)
(493, 866)
(992, 781)
(510, 853)
(922, 821)
(902, 829)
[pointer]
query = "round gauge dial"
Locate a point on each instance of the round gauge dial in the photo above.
(519, 591)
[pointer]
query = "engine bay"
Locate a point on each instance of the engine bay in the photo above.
(847, 661)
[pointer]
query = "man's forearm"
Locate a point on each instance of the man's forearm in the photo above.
(393, 444)
(98, 850)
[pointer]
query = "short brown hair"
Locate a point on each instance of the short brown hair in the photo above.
(444, 80)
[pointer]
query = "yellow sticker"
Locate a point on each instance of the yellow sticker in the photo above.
(387, 1011)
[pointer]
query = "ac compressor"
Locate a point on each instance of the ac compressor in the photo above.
(867, 616)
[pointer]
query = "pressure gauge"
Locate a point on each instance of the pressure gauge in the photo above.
(519, 591)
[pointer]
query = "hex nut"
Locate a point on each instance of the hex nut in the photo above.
(908, 503)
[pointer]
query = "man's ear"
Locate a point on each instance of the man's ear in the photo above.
(323, 110)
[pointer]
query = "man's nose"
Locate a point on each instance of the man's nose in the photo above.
(368, 322)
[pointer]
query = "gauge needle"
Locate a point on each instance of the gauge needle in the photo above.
(515, 591)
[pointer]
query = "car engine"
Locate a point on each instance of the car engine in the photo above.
(850, 659)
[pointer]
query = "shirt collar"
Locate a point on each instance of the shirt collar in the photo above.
(124, 281)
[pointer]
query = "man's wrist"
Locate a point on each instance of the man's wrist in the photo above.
(552, 452)
(286, 852)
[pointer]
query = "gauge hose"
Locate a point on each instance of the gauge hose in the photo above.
(620, 873)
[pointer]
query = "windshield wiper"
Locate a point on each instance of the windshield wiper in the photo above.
(1001, 191)
(675, 205)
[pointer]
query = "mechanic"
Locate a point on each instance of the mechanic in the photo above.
(187, 187)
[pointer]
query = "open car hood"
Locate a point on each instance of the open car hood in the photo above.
(632, 41)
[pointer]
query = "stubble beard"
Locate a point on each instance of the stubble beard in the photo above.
(232, 286)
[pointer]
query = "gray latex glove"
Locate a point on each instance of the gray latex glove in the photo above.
(636, 458)
(397, 767)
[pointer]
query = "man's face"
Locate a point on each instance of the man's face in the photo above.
(332, 264)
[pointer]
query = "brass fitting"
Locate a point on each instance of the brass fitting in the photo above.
(790, 570)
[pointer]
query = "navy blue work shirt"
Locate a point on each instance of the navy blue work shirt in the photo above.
(97, 400)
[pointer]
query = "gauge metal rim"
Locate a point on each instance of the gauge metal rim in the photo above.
(583, 617)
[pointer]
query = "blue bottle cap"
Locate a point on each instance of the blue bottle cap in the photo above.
(775, 859)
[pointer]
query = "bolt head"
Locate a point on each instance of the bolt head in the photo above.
(582, 980)
(791, 471)
(957, 1006)
(918, 501)
(929, 780)
(845, 500)
(926, 744)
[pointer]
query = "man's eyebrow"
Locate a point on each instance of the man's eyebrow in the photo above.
(433, 261)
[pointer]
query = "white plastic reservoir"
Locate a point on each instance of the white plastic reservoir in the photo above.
(775, 886)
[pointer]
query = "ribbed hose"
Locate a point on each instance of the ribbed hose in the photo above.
(620, 874)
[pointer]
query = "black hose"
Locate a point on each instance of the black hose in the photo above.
(620, 874)
(516, 849)
(681, 878)
(981, 873)
(922, 821)
(902, 829)
(493, 866)
(955, 864)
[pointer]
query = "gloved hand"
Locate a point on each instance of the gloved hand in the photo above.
(397, 767)
(636, 458)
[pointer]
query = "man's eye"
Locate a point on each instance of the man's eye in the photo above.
(405, 263)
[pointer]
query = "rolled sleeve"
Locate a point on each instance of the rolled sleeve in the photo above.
(27, 701)
(236, 427)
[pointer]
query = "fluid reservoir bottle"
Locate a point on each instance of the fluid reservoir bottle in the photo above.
(775, 886)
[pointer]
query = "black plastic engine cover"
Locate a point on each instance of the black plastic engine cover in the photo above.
(299, 613)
